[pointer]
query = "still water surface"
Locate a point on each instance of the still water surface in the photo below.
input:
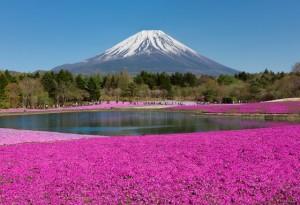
(127, 122)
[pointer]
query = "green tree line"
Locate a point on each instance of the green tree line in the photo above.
(49, 89)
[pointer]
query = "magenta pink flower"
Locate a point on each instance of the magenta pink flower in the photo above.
(257, 166)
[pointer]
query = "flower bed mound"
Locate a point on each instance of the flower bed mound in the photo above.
(258, 166)
(250, 108)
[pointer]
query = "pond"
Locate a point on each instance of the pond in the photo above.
(127, 122)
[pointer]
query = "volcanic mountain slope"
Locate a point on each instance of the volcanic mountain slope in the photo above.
(150, 50)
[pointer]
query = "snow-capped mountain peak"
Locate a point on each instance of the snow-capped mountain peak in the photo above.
(149, 50)
(146, 42)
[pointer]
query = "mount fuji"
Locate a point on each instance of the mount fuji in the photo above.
(149, 50)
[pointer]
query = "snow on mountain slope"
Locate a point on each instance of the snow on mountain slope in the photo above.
(151, 50)
(145, 42)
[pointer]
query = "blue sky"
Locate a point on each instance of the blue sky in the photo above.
(248, 35)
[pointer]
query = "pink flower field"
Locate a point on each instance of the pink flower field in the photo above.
(102, 106)
(292, 107)
(257, 166)
(13, 136)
